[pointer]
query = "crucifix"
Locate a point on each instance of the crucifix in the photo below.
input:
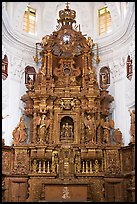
(67, 5)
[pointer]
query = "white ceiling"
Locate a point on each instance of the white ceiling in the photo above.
(86, 15)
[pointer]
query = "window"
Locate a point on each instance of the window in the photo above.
(104, 20)
(29, 25)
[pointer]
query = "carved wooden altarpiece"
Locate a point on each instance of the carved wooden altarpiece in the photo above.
(64, 141)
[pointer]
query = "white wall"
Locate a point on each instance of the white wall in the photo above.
(121, 113)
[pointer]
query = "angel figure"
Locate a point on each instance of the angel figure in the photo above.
(90, 42)
(107, 125)
(90, 126)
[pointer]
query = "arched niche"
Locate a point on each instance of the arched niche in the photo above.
(104, 77)
(66, 129)
(30, 74)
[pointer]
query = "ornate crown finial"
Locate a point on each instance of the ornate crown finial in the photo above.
(67, 16)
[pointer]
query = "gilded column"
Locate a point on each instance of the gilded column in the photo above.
(86, 62)
(89, 60)
(82, 128)
(51, 127)
(49, 68)
(83, 74)
(45, 64)
(34, 128)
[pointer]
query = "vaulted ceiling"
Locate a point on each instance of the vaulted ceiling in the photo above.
(86, 15)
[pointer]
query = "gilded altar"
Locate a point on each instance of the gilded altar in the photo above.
(69, 144)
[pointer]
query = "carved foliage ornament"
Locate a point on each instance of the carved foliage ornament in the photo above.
(113, 162)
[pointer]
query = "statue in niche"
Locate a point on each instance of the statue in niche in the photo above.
(19, 133)
(44, 127)
(107, 125)
(90, 128)
(67, 131)
(30, 84)
(132, 127)
(104, 77)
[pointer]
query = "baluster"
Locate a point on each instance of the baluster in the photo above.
(44, 167)
(48, 171)
(35, 166)
(83, 167)
(86, 166)
(90, 167)
(39, 171)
